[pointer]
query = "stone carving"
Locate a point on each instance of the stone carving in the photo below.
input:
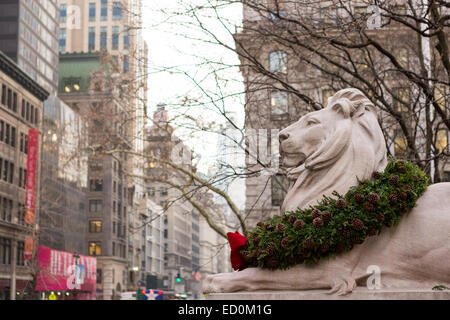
(324, 151)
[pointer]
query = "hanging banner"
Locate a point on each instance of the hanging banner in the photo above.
(28, 252)
(33, 142)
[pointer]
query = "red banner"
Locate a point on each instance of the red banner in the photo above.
(33, 142)
(28, 252)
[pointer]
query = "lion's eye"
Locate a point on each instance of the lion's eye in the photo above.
(312, 122)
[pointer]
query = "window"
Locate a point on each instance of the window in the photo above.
(104, 10)
(5, 251)
(115, 38)
(2, 130)
(441, 140)
(95, 226)
(20, 253)
(117, 11)
(279, 185)
(103, 37)
(401, 100)
(95, 248)
(278, 61)
(23, 108)
(326, 93)
(62, 40)
(99, 276)
(279, 102)
(91, 38)
(126, 64)
(95, 205)
(63, 13)
(14, 105)
(400, 144)
(96, 185)
(113, 248)
(9, 99)
(439, 97)
(126, 38)
(3, 94)
(92, 11)
(164, 191)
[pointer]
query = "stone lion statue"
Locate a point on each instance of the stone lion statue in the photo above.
(327, 150)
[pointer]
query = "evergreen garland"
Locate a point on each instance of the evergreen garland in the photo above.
(335, 225)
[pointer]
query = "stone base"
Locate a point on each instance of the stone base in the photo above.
(358, 294)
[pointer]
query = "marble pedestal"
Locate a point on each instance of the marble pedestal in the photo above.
(358, 294)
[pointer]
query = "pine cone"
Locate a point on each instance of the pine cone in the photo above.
(372, 232)
(392, 198)
(402, 195)
(401, 162)
(256, 241)
(292, 219)
(380, 217)
(359, 198)
(376, 175)
(357, 224)
(324, 247)
(340, 247)
(298, 224)
(373, 198)
(260, 224)
(269, 227)
(315, 213)
(416, 179)
(327, 216)
(285, 218)
(285, 243)
(346, 233)
(318, 222)
(368, 206)
(308, 244)
(341, 203)
(393, 180)
(407, 188)
(402, 169)
(270, 249)
(280, 227)
(273, 263)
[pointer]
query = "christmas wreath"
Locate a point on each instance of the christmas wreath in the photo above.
(334, 225)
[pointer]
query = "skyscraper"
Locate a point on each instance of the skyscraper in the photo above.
(29, 36)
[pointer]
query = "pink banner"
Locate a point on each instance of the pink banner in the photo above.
(58, 272)
(33, 142)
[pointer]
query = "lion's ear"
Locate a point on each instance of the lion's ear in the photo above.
(343, 107)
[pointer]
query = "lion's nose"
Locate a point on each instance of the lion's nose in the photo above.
(283, 136)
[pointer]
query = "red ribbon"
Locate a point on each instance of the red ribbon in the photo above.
(237, 241)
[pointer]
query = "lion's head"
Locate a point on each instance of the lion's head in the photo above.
(326, 150)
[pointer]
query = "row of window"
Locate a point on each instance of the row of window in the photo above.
(151, 191)
(6, 171)
(5, 252)
(117, 11)
(7, 133)
(9, 99)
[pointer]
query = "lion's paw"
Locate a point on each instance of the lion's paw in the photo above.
(343, 286)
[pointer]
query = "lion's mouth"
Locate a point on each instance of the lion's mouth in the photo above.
(292, 160)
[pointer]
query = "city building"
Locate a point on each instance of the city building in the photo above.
(21, 105)
(29, 36)
(85, 84)
(291, 77)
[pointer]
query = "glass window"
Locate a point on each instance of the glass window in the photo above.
(115, 38)
(278, 61)
(279, 102)
(117, 11)
(20, 253)
(63, 13)
(400, 144)
(95, 249)
(326, 94)
(439, 97)
(96, 185)
(99, 275)
(104, 10)
(95, 226)
(401, 100)
(95, 205)
(92, 11)
(126, 64)
(91, 38)
(5, 251)
(62, 40)
(441, 140)
(126, 38)
(103, 37)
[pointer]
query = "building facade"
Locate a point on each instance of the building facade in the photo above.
(21, 106)
(29, 36)
(292, 77)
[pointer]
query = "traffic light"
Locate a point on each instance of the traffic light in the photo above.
(178, 278)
